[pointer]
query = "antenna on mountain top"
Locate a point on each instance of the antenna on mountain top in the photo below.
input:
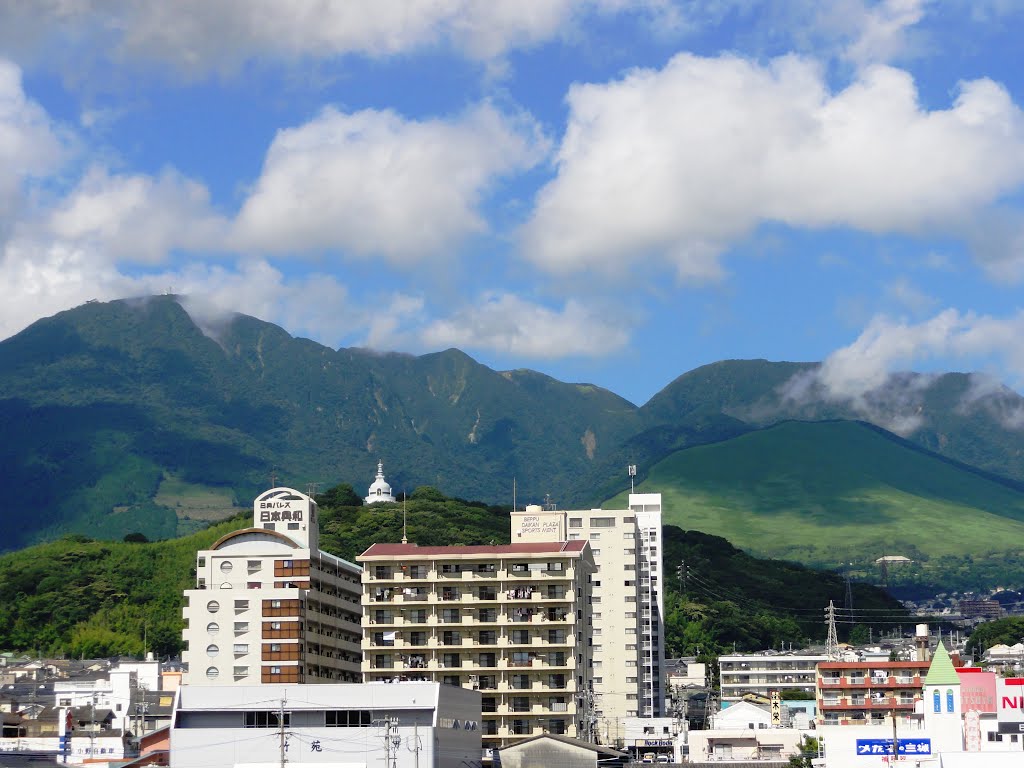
(631, 469)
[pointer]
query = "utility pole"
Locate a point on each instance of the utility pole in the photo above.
(895, 741)
(681, 573)
(415, 749)
(282, 744)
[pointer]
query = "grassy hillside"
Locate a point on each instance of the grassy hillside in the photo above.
(836, 492)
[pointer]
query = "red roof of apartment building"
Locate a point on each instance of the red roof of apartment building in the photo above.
(484, 550)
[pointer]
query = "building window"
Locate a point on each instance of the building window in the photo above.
(241, 605)
(451, 660)
(348, 718)
(213, 628)
(212, 650)
(213, 606)
(241, 672)
(211, 673)
(602, 522)
(575, 522)
(241, 627)
(225, 566)
(265, 720)
(241, 648)
(595, 537)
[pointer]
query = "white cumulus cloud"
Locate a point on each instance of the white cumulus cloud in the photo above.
(376, 183)
(675, 165)
(32, 146)
(138, 218)
(510, 325)
(888, 346)
(195, 37)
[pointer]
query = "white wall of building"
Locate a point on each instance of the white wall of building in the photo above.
(434, 726)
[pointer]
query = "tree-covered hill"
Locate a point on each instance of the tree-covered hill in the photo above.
(81, 597)
(719, 597)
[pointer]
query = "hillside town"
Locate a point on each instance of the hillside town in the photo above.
(549, 650)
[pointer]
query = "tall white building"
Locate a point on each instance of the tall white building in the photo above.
(269, 607)
(508, 620)
(628, 606)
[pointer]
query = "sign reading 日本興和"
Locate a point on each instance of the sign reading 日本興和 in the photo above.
(884, 746)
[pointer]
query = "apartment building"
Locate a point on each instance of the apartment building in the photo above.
(628, 602)
(762, 673)
(269, 607)
(868, 692)
(510, 621)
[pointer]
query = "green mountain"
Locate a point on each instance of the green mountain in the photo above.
(106, 598)
(840, 492)
(960, 416)
(126, 416)
(131, 416)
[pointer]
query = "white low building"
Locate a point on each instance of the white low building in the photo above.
(397, 725)
(655, 737)
(744, 731)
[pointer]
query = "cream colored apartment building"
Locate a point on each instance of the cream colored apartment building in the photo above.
(269, 607)
(628, 605)
(509, 620)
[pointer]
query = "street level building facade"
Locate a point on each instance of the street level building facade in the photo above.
(411, 725)
(509, 620)
(269, 607)
(628, 601)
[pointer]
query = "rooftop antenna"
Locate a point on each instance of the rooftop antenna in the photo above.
(513, 493)
(273, 477)
(631, 469)
(405, 540)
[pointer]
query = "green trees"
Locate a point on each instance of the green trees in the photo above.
(808, 751)
(1008, 631)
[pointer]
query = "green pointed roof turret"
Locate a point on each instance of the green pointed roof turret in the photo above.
(941, 671)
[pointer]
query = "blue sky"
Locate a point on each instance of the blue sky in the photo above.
(606, 191)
